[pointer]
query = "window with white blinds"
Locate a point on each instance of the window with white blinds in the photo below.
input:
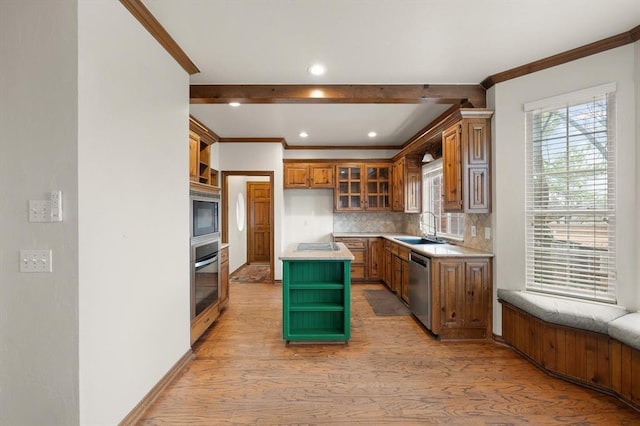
(447, 224)
(570, 195)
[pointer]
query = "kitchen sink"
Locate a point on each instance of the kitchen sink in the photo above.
(419, 240)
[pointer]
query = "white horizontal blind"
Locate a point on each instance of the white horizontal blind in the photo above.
(570, 198)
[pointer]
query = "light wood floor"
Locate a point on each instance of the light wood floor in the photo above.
(391, 372)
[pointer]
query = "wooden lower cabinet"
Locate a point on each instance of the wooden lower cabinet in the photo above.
(224, 277)
(375, 263)
(388, 262)
(396, 274)
(462, 298)
(368, 262)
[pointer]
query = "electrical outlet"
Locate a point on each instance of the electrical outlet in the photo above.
(39, 211)
(473, 230)
(35, 261)
(487, 233)
(56, 206)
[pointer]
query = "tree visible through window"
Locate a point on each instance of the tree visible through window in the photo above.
(570, 198)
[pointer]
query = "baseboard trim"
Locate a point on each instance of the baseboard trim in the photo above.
(138, 411)
(238, 268)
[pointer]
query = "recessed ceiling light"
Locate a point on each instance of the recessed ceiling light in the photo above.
(304, 134)
(372, 134)
(234, 104)
(317, 69)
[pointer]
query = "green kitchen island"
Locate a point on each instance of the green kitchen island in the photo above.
(316, 292)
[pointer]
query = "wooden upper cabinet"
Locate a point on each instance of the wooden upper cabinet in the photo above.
(194, 149)
(452, 169)
(309, 175)
(200, 141)
(466, 166)
(363, 187)
(321, 175)
(407, 184)
(398, 185)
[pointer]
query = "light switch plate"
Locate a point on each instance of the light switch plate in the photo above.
(56, 206)
(35, 261)
(487, 233)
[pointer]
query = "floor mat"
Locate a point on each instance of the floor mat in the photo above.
(385, 303)
(256, 273)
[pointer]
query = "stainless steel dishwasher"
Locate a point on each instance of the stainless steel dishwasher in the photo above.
(420, 288)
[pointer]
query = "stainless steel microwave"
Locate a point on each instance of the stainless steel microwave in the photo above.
(205, 215)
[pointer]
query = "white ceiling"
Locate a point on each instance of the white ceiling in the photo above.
(369, 42)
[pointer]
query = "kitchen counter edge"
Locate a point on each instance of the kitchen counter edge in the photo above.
(291, 253)
(430, 250)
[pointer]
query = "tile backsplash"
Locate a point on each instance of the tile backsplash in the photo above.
(409, 223)
(369, 222)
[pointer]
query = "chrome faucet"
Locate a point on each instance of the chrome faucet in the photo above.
(435, 229)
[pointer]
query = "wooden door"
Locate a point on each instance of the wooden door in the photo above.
(259, 222)
(476, 146)
(375, 265)
(477, 294)
(452, 169)
(397, 186)
(451, 288)
(388, 262)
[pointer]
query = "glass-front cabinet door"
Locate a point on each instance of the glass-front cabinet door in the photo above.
(378, 187)
(361, 187)
(349, 188)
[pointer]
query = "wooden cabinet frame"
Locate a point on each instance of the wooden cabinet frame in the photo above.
(466, 165)
(355, 190)
(461, 298)
(308, 174)
(200, 141)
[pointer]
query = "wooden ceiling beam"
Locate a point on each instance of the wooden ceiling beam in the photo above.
(454, 94)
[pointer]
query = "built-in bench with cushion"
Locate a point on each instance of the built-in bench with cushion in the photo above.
(592, 344)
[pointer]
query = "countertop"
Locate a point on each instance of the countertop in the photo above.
(429, 250)
(292, 253)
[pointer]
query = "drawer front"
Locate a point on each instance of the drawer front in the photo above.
(353, 243)
(357, 272)
(358, 257)
(394, 248)
(403, 253)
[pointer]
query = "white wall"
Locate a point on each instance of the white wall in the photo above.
(309, 215)
(618, 65)
(237, 238)
(38, 136)
(259, 157)
(637, 83)
(133, 211)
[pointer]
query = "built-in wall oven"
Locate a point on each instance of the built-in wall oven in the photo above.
(205, 215)
(205, 283)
